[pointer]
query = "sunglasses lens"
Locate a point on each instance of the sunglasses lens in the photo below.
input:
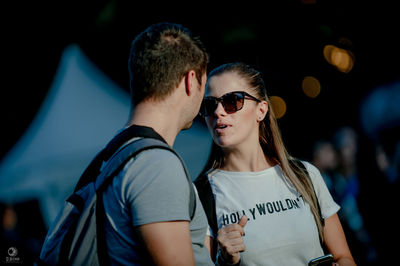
(208, 106)
(232, 102)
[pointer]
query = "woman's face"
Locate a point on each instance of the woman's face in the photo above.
(232, 129)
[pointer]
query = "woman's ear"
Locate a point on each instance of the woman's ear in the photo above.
(262, 110)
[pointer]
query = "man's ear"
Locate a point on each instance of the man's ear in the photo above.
(262, 110)
(189, 82)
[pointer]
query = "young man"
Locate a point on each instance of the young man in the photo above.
(148, 219)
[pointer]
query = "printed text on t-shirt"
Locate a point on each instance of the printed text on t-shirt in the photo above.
(270, 207)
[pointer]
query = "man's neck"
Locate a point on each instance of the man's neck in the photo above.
(159, 118)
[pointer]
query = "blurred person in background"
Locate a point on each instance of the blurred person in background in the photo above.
(379, 167)
(346, 191)
(388, 154)
(325, 158)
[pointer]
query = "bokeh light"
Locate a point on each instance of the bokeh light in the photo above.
(342, 59)
(311, 86)
(278, 105)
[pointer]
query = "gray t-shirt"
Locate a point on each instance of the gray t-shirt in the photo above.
(152, 187)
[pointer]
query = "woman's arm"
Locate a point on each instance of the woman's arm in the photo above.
(336, 242)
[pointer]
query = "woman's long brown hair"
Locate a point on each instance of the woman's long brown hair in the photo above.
(270, 140)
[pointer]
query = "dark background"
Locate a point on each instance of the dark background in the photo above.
(284, 41)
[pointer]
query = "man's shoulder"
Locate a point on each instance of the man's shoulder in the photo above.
(157, 157)
(152, 164)
(151, 172)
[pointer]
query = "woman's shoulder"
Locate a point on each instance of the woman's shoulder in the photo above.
(314, 174)
(312, 169)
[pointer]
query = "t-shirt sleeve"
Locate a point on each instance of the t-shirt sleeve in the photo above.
(155, 188)
(326, 202)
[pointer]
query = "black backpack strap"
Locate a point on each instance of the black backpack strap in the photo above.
(207, 200)
(126, 153)
(93, 170)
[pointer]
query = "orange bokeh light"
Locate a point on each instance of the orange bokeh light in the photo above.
(311, 86)
(278, 105)
(342, 59)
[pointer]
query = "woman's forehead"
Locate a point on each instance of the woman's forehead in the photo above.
(227, 82)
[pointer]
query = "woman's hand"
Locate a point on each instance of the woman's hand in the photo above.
(230, 241)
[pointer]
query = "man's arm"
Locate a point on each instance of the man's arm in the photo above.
(168, 243)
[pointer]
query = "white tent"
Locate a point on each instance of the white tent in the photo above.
(82, 111)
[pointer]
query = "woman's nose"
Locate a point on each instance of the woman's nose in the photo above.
(219, 111)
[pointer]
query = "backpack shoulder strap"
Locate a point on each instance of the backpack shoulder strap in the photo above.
(124, 136)
(207, 199)
(130, 150)
(114, 165)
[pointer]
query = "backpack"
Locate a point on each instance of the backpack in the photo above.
(77, 236)
(208, 201)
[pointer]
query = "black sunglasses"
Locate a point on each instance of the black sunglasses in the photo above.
(231, 101)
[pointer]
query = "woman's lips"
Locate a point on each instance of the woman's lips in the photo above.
(221, 128)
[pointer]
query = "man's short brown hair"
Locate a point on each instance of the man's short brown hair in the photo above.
(160, 57)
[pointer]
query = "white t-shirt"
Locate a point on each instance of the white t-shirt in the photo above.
(281, 229)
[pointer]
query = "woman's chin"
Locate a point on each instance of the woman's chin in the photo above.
(223, 142)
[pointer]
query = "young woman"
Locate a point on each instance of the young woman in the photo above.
(268, 206)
